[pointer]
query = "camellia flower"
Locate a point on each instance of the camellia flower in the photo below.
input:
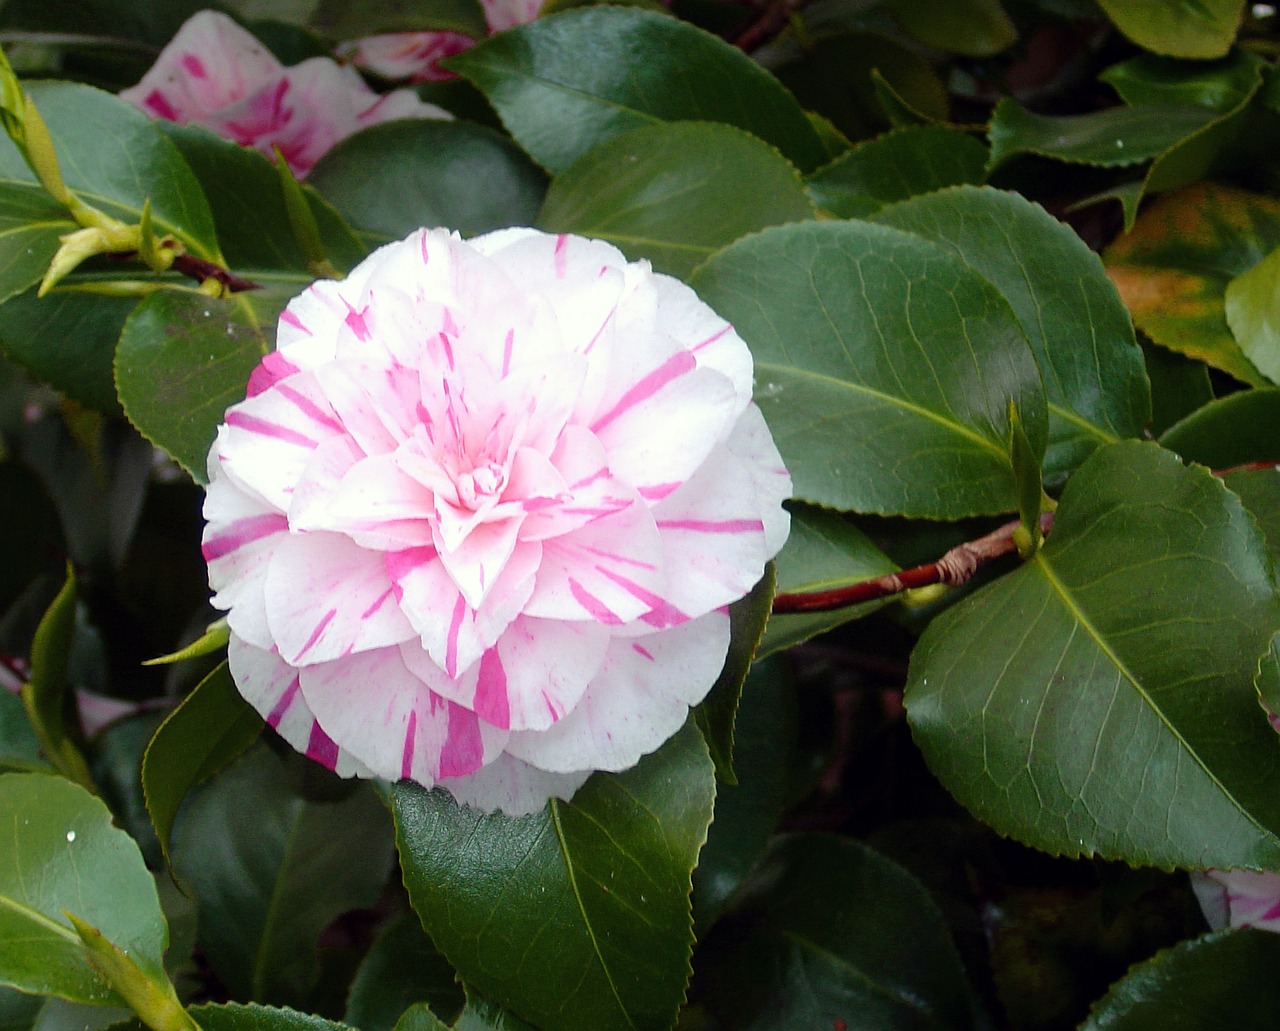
(1239, 898)
(480, 517)
(416, 56)
(216, 74)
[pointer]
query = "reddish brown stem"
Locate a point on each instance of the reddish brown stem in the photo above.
(956, 567)
(199, 269)
(772, 20)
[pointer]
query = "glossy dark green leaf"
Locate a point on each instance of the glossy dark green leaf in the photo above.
(47, 694)
(341, 19)
(30, 224)
(17, 1009)
(248, 207)
(30, 538)
(152, 21)
(1253, 315)
(483, 1015)
(1094, 378)
(115, 760)
(401, 968)
(1100, 699)
(676, 192)
(766, 745)
(1204, 29)
(823, 552)
(1268, 679)
(974, 28)
(1220, 85)
(211, 727)
(60, 852)
(840, 75)
(234, 1016)
(592, 894)
(115, 158)
(884, 365)
(19, 746)
(1026, 466)
(1179, 386)
(391, 179)
(568, 82)
(1221, 980)
(1173, 268)
(184, 358)
(419, 1017)
(828, 933)
(715, 714)
(1233, 430)
(897, 165)
(68, 340)
(1259, 489)
(272, 869)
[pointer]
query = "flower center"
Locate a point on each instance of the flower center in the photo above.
(480, 484)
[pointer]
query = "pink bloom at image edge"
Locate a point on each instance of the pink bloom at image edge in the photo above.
(479, 520)
(1239, 898)
(416, 56)
(216, 74)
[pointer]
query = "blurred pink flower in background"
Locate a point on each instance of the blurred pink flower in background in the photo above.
(415, 56)
(216, 74)
(1239, 898)
(480, 518)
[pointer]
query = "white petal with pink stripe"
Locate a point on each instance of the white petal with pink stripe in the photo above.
(480, 519)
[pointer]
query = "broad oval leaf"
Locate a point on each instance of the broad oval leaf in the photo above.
(1221, 85)
(1094, 378)
(234, 1016)
(184, 358)
(1253, 315)
(1234, 430)
(340, 19)
(401, 968)
(19, 746)
(974, 28)
(1204, 29)
(391, 179)
(896, 165)
(272, 869)
(1173, 268)
(566, 83)
(828, 933)
(60, 852)
(592, 894)
(676, 192)
(31, 223)
(884, 365)
(1100, 699)
(211, 727)
(116, 158)
(1226, 979)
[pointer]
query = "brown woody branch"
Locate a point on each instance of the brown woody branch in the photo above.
(772, 20)
(200, 270)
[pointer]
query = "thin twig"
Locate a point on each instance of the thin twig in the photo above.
(200, 270)
(956, 567)
(772, 20)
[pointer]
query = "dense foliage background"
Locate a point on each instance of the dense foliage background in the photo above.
(964, 805)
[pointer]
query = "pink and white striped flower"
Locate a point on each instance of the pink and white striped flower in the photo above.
(480, 517)
(216, 74)
(1239, 898)
(416, 56)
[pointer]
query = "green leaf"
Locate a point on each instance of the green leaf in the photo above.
(30, 225)
(973, 28)
(1259, 489)
(19, 746)
(402, 967)
(1179, 386)
(828, 932)
(272, 869)
(823, 552)
(1113, 138)
(1173, 268)
(1026, 466)
(896, 165)
(674, 193)
(234, 1016)
(115, 158)
(592, 895)
(248, 207)
(566, 83)
(67, 340)
(884, 366)
(340, 19)
(766, 754)
(1220, 85)
(482, 1015)
(1253, 314)
(841, 76)
(391, 179)
(418, 1018)
(716, 714)
(59, 852)
(1100, 699)
(18, 1011)
(1233, 430)
(1204, 29)
(184, 358)
(47, 696)
(1223, 980)
(1081, 335)
(30, 538)
(211, 727)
